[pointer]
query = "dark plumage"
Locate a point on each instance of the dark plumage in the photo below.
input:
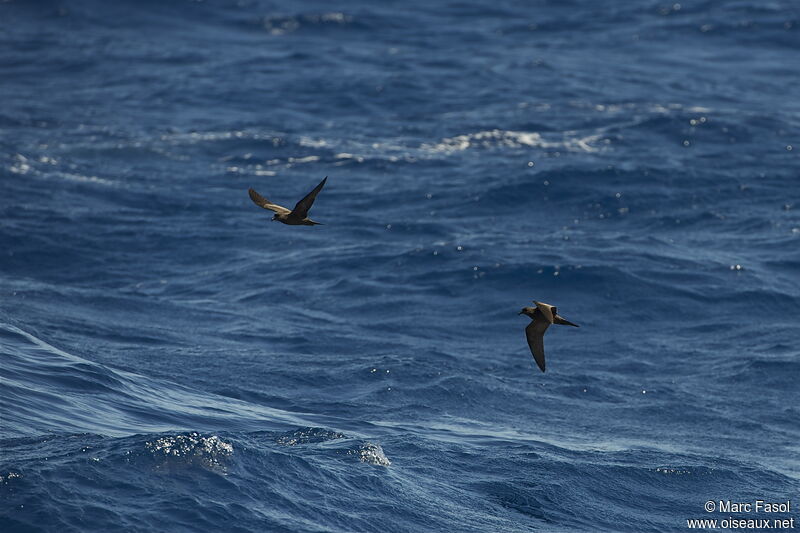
(542, 316)
(297, 216)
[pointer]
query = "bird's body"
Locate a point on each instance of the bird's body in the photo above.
(294, 217)
(288, 219)
(541, 317)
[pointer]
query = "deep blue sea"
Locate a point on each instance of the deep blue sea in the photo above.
(174, 361)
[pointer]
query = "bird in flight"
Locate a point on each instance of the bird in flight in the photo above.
(542, 316)
(297, 216)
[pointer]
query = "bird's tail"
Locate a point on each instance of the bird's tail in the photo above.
(563, 321)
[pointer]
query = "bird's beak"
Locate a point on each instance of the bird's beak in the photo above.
(520, 312)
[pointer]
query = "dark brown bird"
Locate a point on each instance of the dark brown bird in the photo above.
(297, 216)
(543, 315)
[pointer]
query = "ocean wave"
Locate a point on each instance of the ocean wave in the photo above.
(46, 389)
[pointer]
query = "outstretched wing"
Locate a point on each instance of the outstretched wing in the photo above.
(535, 334)
(260, 201)
(549, 311)
(302, 207)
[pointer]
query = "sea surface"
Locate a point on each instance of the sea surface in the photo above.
(173, 361)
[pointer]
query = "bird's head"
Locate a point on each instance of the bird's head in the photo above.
(527, 311)
(275, 216)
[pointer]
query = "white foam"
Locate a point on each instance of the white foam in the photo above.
(496, 138)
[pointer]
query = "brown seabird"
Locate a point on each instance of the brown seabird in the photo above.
(543, 315)
(297, 216)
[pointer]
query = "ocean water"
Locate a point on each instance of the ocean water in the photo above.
(172, 360)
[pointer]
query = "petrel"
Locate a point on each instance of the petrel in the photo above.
(297, 216)
(543, 315)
